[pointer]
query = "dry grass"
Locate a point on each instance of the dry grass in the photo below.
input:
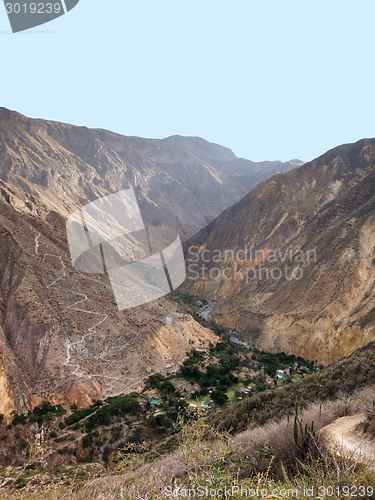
(259, 457)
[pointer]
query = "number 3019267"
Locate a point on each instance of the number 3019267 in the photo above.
(33, 8)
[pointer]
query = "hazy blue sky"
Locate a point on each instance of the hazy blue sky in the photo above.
(268, 79)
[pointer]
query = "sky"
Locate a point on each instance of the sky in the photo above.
(271, 80)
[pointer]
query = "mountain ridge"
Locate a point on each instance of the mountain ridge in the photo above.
(326, 204)
(61, 335)
(67, 166)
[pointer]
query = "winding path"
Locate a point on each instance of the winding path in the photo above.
(345, 438)
(72, 307)
(102, 317)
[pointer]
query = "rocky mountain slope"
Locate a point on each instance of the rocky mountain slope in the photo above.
(61, 334)
(67, 166)
(250, 174)
(247, 173)
(177, 180)
(318, 219)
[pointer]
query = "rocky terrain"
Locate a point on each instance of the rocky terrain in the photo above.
(66, 167)
(61, 334)
(319, 220)
(178, 181)
(239, 169)
(245, 172)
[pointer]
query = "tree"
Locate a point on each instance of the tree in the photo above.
(219, 397)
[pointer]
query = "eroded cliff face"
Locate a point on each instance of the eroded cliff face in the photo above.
(7, 400)
(183, 182)
(66, 166)
(320, 221)
(62, 337)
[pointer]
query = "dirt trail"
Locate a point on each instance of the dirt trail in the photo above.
(70, 347)
(91, 331)
(344, 433)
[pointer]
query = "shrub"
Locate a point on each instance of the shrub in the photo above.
(219, 397)
(19, 419)
(87, 441)
(22, 444)
(168, 387)
(106, 453)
